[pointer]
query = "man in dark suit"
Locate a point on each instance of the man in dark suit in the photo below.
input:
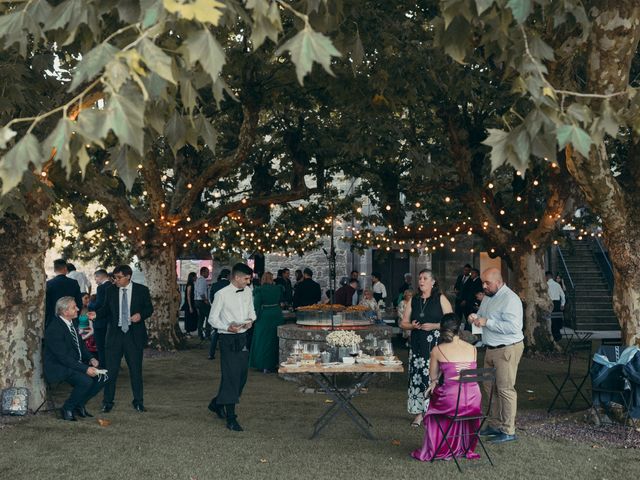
(100, 323)
(223, 281)
(66, 359)
(459, 285)
(307, 292)
(125, 308)
(472, 286)
(58, 287)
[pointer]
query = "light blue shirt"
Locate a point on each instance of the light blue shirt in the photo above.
(201, 289)
(503, 312)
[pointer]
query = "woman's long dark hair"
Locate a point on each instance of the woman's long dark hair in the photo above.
(191, 279)
(449, 327)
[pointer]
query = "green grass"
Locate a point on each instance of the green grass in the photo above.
(179, 438)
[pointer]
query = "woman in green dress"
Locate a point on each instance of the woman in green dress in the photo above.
(264, 347)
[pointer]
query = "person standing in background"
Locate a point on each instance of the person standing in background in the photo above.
(201, 294)
(223, 281)
(378, 288)
(80, 277)
(264, 346)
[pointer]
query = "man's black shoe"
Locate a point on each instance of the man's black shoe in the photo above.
(107, 407)
(139, 407)
(82, 412)
(234, 425)
(68, 415)
(217, 409)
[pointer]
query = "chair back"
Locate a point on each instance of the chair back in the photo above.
(479, 376)
(575, 350)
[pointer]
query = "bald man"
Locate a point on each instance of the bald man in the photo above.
(500, 316)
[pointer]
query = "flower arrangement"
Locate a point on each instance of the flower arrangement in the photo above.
(343, 338)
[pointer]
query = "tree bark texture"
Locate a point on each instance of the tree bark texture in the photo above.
(23, 243)
(159, 267)
(532, 288)
(613, 43)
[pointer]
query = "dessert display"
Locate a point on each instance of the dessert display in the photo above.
(321, 315)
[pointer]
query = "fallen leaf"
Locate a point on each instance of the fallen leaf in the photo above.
(328, 401)
(264, 460)
(103, 422)
(395, 442)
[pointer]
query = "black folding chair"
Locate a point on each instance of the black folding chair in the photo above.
(479, 376)
(49, 397)
(572, 382)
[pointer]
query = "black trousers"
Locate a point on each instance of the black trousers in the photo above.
(234, 365)
(84, 389)
(100, 334)
(119, 344)
(203, 308)
(557, 320)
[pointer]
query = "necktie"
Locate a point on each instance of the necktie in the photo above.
(124, 311)
(74, 334)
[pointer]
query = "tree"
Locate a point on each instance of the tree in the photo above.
(573, 65)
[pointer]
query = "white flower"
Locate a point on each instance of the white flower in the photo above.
(419, 362)
(415, 393)
(436, 334)
(429, 338)
(343, 338)
(417, 378)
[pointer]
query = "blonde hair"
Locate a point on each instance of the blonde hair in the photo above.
(267, 278)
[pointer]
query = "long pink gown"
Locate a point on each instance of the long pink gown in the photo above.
(443, 402)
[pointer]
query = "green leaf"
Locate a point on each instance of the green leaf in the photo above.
(207, 132)
(151, 12)
(116, 73)
(202, 47)
(16, 161)
(357, 52)
(456, 39)
(309, 46)
(580, 112)
(83, 159)
(520, 9)
(156, 60)
(125, 164)
(522, 144)
(56, 145)
(6, 134)
(580, 139)
(92, 63)
(175, 131)
(188, 94)
(205, 11)
(92, 125)
(544, 146)
(125, 116)
(266, 21)
(540, 49)
(68, 16)
(482, 5)
(497, 140)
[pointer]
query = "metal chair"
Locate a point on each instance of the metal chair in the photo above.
(571, 381)
(49, 398)
(479, 376)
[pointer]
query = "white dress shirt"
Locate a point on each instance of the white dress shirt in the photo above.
(231, 306)
(129, 289)
(379, 287)
(82, 280)
(503, 312)
(201, 289)
(555, 291)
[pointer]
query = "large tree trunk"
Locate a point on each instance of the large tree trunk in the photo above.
(23, 243)
(159, 268)
(532, 288)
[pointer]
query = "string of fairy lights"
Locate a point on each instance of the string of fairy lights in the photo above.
(236, 233)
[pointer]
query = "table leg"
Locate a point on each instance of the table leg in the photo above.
(342, 402)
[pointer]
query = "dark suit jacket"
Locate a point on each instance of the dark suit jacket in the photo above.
(216, 287)
(101, 295)
(61, 352)
(140, 303)
(58, 287)
(307, 292)
(344, 295)
(470, 288)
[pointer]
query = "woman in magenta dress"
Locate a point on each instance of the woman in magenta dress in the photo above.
(447, 360)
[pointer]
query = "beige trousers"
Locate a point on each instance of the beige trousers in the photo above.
(504, 403)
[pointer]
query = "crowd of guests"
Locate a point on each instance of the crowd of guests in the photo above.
(86, 336)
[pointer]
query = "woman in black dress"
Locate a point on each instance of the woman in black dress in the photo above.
(189, 305)
(422, 317)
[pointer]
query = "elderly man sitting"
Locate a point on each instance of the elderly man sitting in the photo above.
(66, 359)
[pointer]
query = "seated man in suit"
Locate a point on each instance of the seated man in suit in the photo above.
(66, 359)
(58, 287)
(126, 307)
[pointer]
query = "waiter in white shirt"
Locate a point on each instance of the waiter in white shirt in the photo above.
(232, 313)
(557, 297)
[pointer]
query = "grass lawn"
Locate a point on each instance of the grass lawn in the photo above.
(179, 438)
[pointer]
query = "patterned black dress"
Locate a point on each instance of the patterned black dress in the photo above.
(422, 311)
